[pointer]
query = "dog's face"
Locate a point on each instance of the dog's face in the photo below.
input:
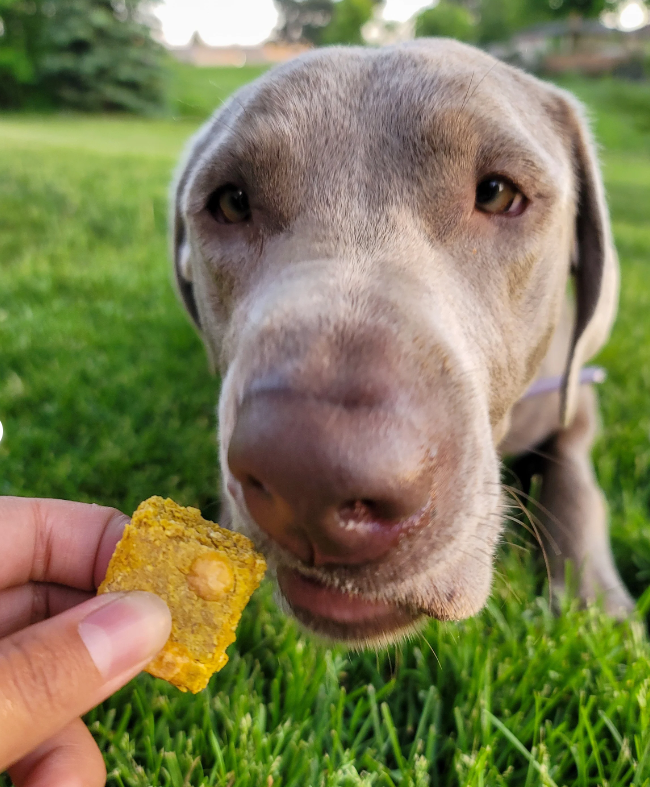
(375, 245)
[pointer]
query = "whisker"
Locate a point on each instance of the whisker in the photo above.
(546, 456)
(466, 96)
(487, 73)
(533, 518)
(519, 522)
(541, 507)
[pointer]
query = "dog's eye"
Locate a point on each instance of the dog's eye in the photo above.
(498, 195)
(229, 205)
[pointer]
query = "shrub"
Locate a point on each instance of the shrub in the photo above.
(93, 55)
(447, 20)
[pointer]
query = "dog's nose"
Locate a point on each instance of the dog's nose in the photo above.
(331, 483)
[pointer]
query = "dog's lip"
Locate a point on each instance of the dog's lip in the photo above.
(329, 605)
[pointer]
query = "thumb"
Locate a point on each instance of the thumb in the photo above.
(59, 669)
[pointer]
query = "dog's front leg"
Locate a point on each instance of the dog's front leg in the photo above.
(574, 516)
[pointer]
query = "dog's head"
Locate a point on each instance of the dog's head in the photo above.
(375, 246)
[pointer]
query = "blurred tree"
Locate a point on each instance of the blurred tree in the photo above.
(449, 20)
(93, 55)
(302, 20)
(323, 22)
(348, 17)
(485, 21)
(585, 8)
(499, 20)
(20, 48)
(101, 57)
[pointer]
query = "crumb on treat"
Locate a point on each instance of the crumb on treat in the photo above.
(204, 573)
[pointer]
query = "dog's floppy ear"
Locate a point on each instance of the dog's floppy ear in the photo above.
(183, 263)
(181, 251)
(190, 160)
(595, 266)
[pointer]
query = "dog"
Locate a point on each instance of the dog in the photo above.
(377, 248)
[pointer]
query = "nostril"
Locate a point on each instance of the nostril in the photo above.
(374, 510)
(255, 483)
(363, 510)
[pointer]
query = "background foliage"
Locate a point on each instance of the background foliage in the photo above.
(487, 21)
(340, 21)
(98, 55)
(323, 22)
(449, 20)
(93, 55)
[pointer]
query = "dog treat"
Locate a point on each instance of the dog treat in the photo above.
(204, 573)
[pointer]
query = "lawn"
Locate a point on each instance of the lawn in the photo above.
(105, 396)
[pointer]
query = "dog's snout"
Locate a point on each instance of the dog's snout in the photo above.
(328, 482)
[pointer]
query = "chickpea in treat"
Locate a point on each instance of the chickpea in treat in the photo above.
(211, 577)
(204, 573)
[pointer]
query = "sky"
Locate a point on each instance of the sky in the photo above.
(245, 22)
(248, 22)
(632, 15)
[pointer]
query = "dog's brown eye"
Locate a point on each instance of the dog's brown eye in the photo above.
(229, 205)
(498, 195)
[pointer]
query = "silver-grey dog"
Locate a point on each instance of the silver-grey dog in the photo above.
(377, 245)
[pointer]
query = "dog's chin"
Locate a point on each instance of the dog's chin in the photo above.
(346, 617)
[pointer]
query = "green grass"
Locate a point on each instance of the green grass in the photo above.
(195, 92)
(622, 119)
(105, 396)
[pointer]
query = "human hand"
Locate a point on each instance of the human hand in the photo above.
(62, 651)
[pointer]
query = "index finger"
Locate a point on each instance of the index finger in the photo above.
(56, 541)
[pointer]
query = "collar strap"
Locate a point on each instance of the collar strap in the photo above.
(588, 376)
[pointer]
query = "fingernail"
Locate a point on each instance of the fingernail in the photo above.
(125, 632)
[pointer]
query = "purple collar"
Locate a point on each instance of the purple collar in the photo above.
(588, 376)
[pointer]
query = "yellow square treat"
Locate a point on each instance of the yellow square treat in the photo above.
(205, 574)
